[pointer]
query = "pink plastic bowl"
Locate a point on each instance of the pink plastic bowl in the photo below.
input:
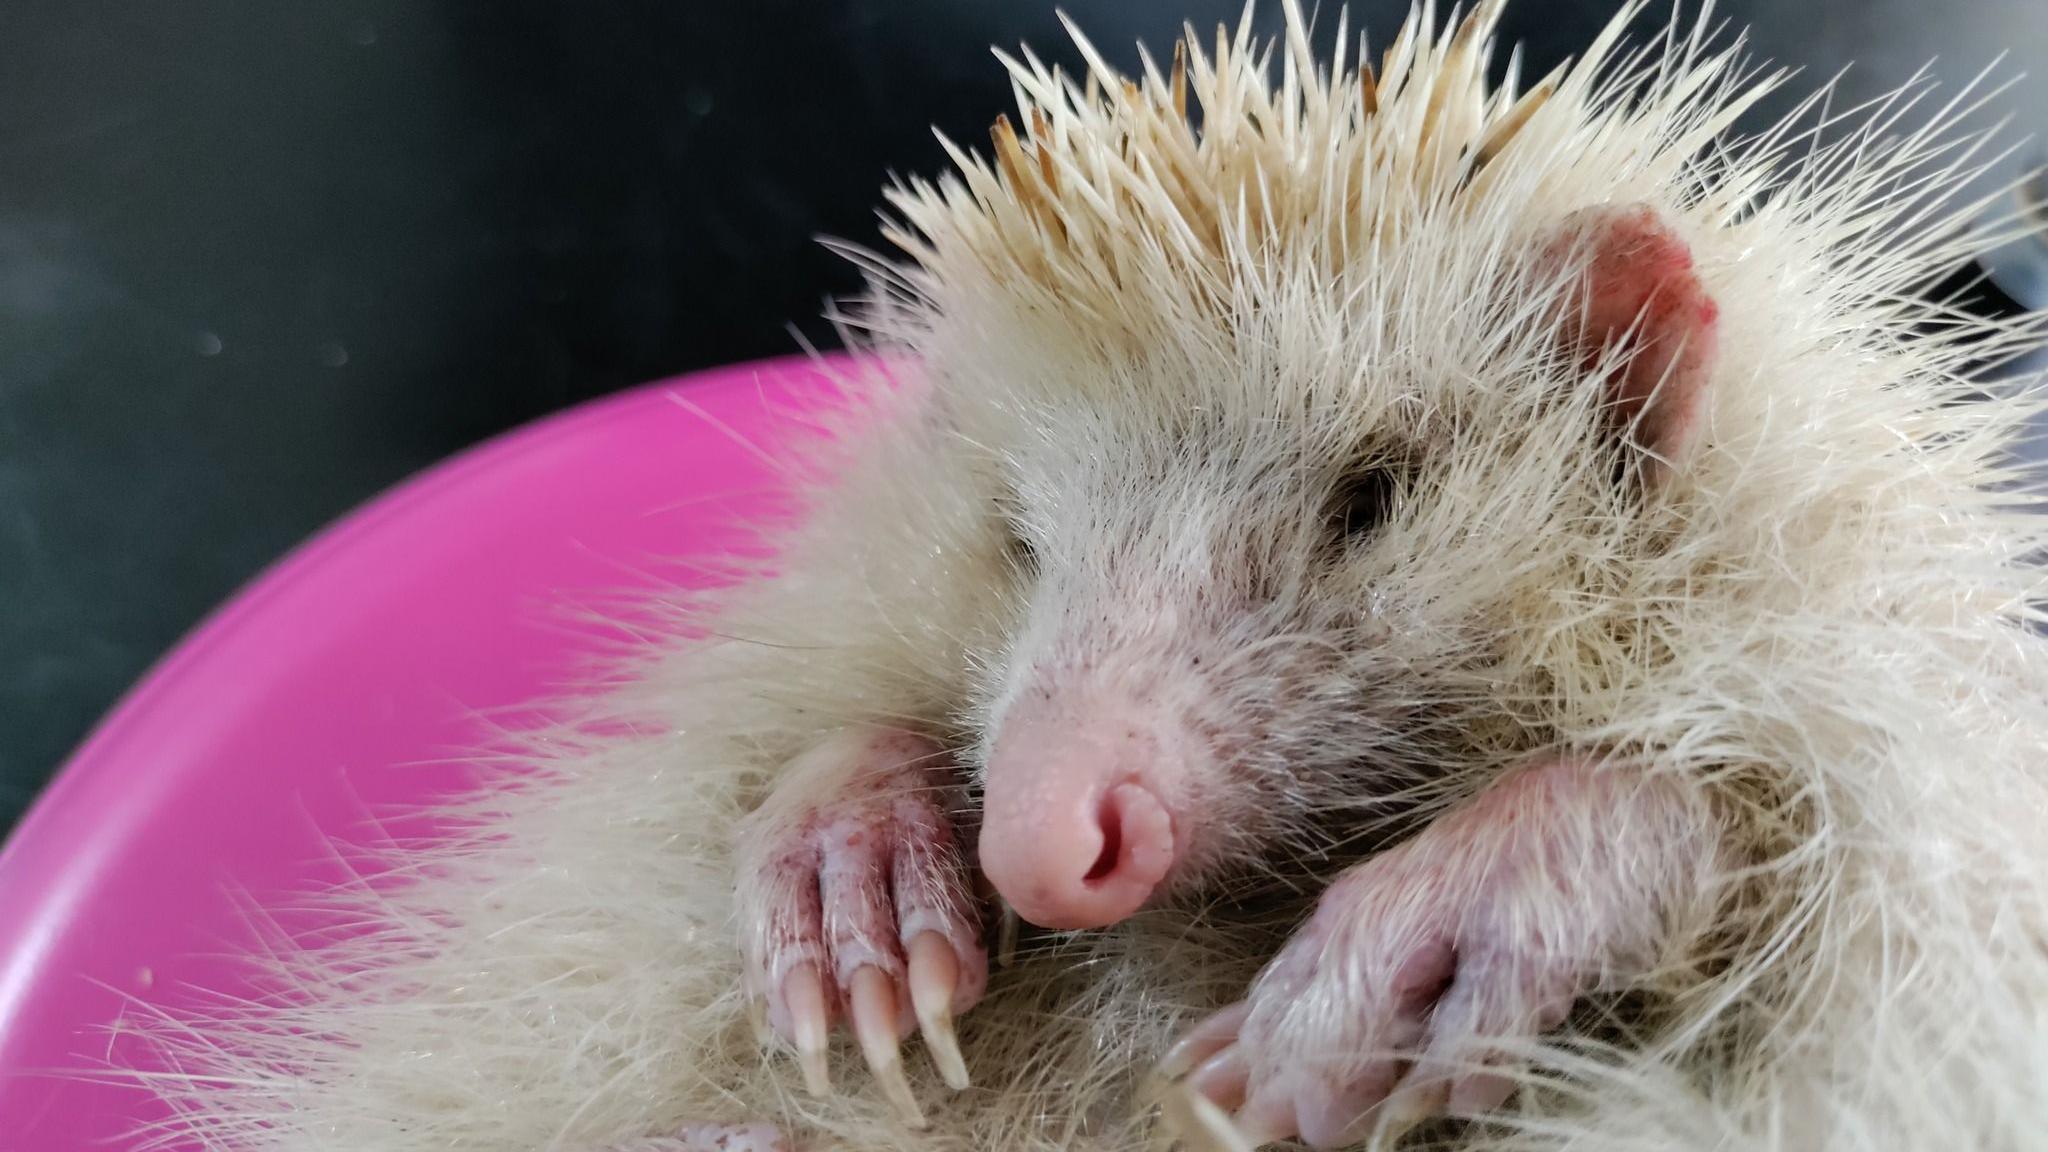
(348, 679)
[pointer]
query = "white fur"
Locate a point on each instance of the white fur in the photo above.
(1145, 368)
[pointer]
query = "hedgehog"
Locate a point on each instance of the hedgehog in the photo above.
(1363, 608)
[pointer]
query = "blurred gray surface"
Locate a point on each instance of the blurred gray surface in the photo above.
(1874, 46)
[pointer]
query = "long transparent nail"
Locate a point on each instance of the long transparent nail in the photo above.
(1194, 1132)
(1178, 1114)
(803, 993)
(873, 1009)
(1204, 1040)
(934, 976)
(757, 1015)
(1209, 1128)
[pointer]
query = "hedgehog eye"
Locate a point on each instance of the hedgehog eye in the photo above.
(1362, 502)
(1023, 557)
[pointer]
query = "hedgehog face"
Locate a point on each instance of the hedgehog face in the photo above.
(1259, 617)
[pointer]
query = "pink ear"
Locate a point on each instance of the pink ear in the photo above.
(1640, 287)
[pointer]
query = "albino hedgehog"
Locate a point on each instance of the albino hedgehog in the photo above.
(1480, 616)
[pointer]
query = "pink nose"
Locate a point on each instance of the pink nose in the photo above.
(1070, 835)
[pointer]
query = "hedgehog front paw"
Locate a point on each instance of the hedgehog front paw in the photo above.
(1426, 968)
(855, 905)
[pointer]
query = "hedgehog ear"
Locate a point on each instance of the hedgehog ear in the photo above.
(1643, 321)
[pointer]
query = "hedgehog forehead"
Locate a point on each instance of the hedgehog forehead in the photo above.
(1313, 367)
(1223, 427)
(1308, 406)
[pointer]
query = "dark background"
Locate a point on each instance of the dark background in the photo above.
(259, 260)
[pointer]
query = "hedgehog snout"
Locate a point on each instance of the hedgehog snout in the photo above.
(1079, 820)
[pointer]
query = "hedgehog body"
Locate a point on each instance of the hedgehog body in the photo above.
(1150, 337)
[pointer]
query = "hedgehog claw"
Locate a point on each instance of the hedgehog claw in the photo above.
(1204, 1040)
(856, 899)
(873, 1010)
(1200, 1124)
(804, 995)
(934, 976)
